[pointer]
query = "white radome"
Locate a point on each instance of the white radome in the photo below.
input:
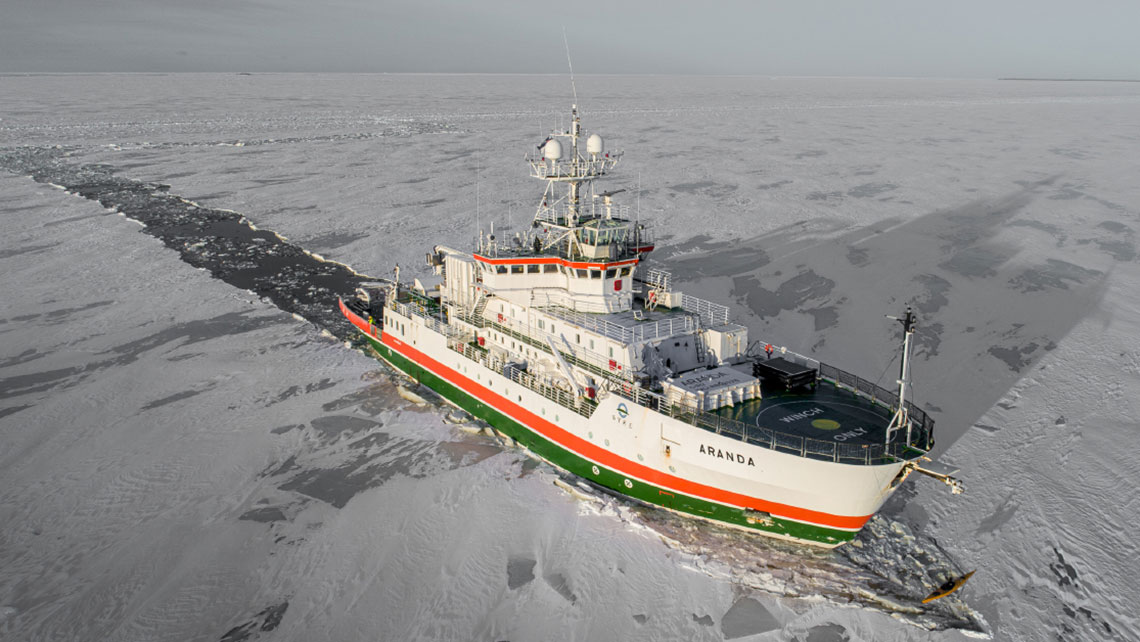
(594, 144)
(552, 150)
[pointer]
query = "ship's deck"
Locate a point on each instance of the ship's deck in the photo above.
(825, 413)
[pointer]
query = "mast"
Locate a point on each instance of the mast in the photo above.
(575, 128)
(563, 159)
(902, 417)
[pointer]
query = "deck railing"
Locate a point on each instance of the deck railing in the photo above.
(712, 314)
(906, 443)
(581, 405)
(586, 359)
(841, 452)
(837, 451)
(637, 333)
(922, 426)
(431, 321)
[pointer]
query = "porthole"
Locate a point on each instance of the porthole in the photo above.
(595, 470)
(590, 434)
(628, 484)
(607, 442)
(672, 470)
(639, 457)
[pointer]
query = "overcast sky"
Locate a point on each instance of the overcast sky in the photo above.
(948, 38)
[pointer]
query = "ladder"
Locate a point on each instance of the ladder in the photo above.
(480, 305)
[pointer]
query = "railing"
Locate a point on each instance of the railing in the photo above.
(786, 354)
(922, 426)
(559, 212)
(658, 278)
(585, 359)
(643, 235)
(429, 319)
(541, 298)
(580, 405)
(661, 328)
(918, 439)
(713, 314)
(563, 169)
(842, 452)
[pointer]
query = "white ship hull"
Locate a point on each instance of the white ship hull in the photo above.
(648, 455)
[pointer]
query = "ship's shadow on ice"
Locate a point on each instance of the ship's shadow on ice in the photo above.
(994, 288)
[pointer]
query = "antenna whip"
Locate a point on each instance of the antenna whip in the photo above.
(569, 64)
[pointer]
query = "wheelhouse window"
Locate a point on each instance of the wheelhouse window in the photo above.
(516, 269)
(549, 268)
(595, 274)
(532, 269)
(611, 273)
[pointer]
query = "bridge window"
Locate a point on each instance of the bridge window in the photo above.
(595, 274)
(549, 267)
(581, 274)
(500, 269)
(611, 273)
(516, 269)
(532, 269)
(626, 270)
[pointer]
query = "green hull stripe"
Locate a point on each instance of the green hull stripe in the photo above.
(575, 464)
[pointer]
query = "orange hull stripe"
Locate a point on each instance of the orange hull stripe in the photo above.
(355, 319)
(590, 451)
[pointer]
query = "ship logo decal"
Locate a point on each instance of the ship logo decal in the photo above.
(713, 451)
(622, 410)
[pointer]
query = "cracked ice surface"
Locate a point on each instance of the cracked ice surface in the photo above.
(183, 459)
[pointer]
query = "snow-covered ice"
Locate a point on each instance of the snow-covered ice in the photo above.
(183, 459)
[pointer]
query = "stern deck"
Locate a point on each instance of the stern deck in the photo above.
(824, 412)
